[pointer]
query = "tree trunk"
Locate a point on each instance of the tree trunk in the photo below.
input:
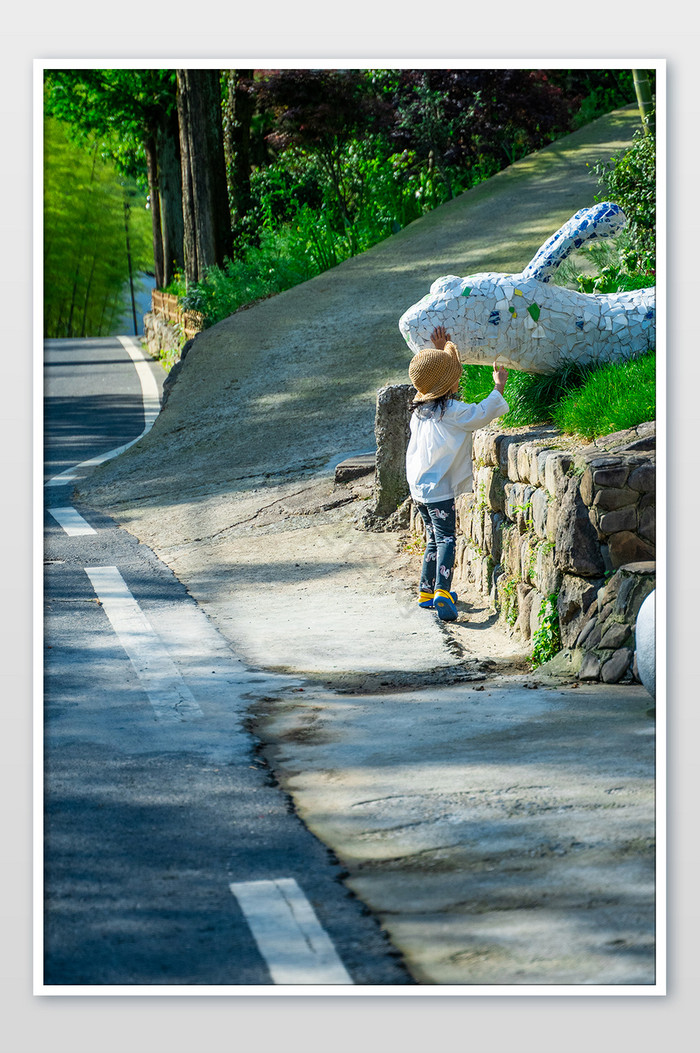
(170, 185)
(645, 102)
(206, 215)
(240, 106)
(154, 201)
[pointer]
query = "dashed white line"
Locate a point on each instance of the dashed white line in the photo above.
(71, 521)
(168, 693)
(151, 409)
(289, 936)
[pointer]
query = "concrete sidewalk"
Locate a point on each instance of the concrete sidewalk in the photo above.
(501, 832)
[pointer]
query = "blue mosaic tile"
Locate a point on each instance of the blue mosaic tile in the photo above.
(555, 325)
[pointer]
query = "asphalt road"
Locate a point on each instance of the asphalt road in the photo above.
(171, 856)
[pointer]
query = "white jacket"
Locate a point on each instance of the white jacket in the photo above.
(439, 455)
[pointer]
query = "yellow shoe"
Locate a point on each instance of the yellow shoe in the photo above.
(445, 605)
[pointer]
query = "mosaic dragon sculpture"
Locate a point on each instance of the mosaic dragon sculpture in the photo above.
(528, 324)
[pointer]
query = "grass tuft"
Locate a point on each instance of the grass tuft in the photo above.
(612, 398)
(581, 400)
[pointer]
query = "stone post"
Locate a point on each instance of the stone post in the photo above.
(392, 431)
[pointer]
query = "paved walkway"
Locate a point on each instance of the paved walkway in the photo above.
(498, 825)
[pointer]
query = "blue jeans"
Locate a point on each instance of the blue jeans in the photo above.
(440, 518)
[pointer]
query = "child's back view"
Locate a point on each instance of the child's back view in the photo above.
(439, 459)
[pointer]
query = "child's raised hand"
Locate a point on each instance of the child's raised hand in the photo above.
(500, 376)
(439, 337)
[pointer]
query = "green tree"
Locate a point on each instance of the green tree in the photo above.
(207, 219)
(132, 113)
(239, 110)
(86, 265)
(321, 111)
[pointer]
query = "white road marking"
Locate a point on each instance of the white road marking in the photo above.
(168, 693)
(71, 521)
(151, 409)
(288, 934)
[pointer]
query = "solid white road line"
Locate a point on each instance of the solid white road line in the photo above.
(169, 695)
(288, 933)
(151, 409)
(71, 521)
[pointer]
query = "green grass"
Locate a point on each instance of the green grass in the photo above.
(612, 398)
(581, 400)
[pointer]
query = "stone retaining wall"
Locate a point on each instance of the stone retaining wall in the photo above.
(575, 525)
(163, 339)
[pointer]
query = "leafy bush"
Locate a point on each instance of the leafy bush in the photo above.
(546, 640)
(613, 279)
(272, 268)
(629, 180)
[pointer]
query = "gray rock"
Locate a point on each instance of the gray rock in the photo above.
(547, 574)
(590, 667)
(635, 586)
(626, 547)
(575, 596)
(355, 467)
(586, 487)
(643, 478)
(647, 524)
(391, 429)
(615, 634)
(576, 540)
(556, 467)
(537, 601)
(526, 598)
(540, 506)
(541, 457)
(611, 497)
(619, 519)
(614, 475)
(497, 520)
(504, 458)
(511, 550)
(485, 446)
(612, 671)
(527, 550)
(609, 591)
(496, 490)
(586, 633)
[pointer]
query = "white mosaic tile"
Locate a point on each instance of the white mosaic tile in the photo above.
(528, 323)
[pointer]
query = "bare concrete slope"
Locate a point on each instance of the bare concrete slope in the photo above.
(286, 386)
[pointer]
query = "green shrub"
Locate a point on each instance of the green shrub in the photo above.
(275, 266)
(546, 640)
(508, 600)
(629, 180)
(613, 279)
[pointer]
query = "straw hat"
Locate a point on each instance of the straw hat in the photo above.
(434, 373)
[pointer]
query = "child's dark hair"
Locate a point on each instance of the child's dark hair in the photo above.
(433, 406)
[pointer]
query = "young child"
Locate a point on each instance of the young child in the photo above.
(439, 458)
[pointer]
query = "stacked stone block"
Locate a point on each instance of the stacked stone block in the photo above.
(550, 518)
